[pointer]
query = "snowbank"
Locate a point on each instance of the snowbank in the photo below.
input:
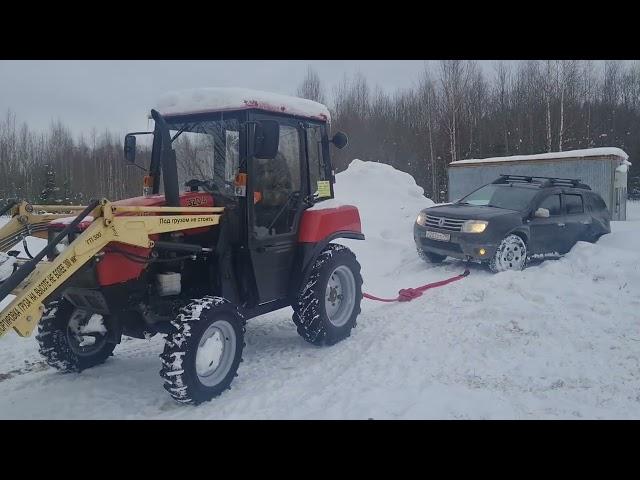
(587, 152)
(388, 201)
(221, 99)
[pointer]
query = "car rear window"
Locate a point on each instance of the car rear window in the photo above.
(551, 203)
(573, 204)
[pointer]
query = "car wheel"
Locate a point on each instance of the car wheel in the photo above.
(510, 255)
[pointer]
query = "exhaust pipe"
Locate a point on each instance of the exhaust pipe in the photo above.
(168, 162)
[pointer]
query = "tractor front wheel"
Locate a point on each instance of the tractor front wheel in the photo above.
(326, 309)
(71, 339)
(203, 352)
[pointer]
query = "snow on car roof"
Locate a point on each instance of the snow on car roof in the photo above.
(204, 100)
(587, 152)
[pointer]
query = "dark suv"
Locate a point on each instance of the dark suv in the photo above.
(511, 220)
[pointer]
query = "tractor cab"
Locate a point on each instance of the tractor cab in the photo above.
(264, 157)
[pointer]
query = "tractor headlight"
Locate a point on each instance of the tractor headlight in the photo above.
(474, 226)
(422, 219)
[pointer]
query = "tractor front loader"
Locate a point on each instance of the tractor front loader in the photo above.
(247, 236)
(30, 220)
(34, 282)
(26, 220)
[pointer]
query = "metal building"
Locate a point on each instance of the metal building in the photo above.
(603, 169)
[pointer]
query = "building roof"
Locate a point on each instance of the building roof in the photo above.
(205, 100)
(616, 153)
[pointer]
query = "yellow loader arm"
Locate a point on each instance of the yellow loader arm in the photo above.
(31, 220)
(32, 283)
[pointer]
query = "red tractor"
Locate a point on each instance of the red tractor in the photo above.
(265, 159)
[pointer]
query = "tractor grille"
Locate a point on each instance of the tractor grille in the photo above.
(451, 224)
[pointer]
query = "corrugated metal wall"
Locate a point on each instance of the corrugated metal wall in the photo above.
(598, 173)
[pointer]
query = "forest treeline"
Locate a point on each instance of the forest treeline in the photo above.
(456, 110)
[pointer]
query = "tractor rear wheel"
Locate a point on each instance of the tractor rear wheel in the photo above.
(327, 307)
(203, 352)
(71, 339)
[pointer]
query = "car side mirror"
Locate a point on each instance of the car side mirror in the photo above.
(265, 139)
(340, 140)
(130, 148)
(541, 213)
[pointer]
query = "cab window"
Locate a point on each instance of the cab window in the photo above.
(317, 167)
(207, 150)
(277, 180)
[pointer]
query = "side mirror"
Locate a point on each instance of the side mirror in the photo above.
(130, 148)
(340, 140)
(541, 213)
(265, 139)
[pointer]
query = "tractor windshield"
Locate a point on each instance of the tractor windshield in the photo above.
(208, 151)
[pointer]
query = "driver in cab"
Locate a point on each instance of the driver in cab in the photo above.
(271, 192)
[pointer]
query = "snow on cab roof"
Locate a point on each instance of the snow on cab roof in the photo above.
(204, 100)
(587, 152)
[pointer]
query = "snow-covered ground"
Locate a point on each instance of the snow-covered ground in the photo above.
(558, 340)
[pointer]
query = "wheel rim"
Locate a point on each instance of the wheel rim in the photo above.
(215, 354)
(86, 333)
(340, 295)
(513, 254)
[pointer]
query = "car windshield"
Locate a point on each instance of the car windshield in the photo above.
(501, 196)
(207, 150)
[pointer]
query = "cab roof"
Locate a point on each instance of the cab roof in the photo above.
(208, 100)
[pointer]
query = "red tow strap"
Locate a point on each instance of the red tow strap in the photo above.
(408, 294)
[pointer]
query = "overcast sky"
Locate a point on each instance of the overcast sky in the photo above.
(119, 94)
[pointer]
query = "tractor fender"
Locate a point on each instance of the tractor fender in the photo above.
(318, 227)
(310, 252)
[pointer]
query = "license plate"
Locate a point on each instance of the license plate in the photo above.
(441, 237)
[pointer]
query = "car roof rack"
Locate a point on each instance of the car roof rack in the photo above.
(542, 182)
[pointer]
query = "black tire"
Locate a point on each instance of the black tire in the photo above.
(54, 339)
(179, 369)
(310, 314)
(430, 257)
(515, 246)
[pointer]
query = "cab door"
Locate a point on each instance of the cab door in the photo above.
(274, 198)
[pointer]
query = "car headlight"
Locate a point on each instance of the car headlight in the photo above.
(422, 219)
(474, 226)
